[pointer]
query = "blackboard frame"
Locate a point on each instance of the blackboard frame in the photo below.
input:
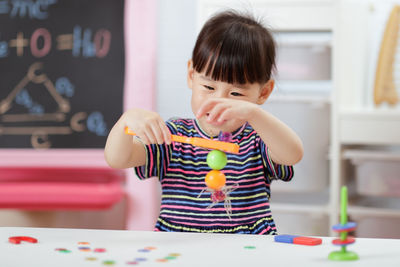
(62, 64)
(139, 88)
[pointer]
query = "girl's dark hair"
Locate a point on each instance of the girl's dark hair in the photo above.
(234, 48)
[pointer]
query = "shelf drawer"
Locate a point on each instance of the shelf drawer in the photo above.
(373, 227)
(378, 178)
(369, 128)
(290, 15)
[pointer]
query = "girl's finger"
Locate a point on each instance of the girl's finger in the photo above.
(216, 112)
(206, 107)
(166, 133)
(226, 114)
(150, 135)
(143, 137)
(157, 133)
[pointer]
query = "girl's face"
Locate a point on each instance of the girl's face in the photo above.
(204, 88)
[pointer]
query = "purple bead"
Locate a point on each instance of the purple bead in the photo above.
(224, 136)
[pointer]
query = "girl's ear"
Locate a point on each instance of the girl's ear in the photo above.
(190, 74)
(265, 91)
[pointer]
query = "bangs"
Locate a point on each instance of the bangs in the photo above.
(237, 54)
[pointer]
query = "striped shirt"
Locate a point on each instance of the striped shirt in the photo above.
(181, 169)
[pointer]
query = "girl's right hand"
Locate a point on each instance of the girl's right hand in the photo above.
(147, 125)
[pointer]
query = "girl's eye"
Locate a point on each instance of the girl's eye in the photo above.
(209, 87)
(236, 94)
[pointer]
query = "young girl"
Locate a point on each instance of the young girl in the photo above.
(230, 76)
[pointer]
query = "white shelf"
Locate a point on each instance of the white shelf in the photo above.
(372, 113)
(369, 126)
(361, 211)
(362, 133)
(359, 155)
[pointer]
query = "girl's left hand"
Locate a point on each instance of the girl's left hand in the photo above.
(219, 110)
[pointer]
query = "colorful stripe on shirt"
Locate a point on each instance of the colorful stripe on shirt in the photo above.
(181, 169)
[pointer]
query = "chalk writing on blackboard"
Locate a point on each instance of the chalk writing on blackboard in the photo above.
(20, 96)
(26, 8)
(63, 77)
(79, 42)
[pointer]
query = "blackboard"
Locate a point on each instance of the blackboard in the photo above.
(61, 72)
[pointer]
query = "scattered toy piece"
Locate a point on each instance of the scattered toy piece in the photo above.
(108, 262)
(171, 256)
(19, 239)
(299, 240)
(63, 250)
(308, 241)
(285, 238)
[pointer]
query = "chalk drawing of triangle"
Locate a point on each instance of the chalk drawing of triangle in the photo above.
(32, 76)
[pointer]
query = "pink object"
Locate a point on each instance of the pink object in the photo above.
(309, 241)
(217, 196)
(60, 188)
(19, 239)
(349, 240)
(140, 78)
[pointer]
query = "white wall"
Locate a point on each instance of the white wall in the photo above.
(176, 39)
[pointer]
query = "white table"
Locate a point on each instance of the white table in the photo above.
(194, 249)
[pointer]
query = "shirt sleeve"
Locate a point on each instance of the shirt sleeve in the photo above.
(274, 170)
(157, 158)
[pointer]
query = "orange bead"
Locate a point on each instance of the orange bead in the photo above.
(215, 179)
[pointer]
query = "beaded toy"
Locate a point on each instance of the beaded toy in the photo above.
(216, 160)
(216, 180)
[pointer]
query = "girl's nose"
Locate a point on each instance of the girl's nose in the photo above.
(220, 93)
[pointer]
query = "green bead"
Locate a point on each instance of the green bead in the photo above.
(216, 159)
